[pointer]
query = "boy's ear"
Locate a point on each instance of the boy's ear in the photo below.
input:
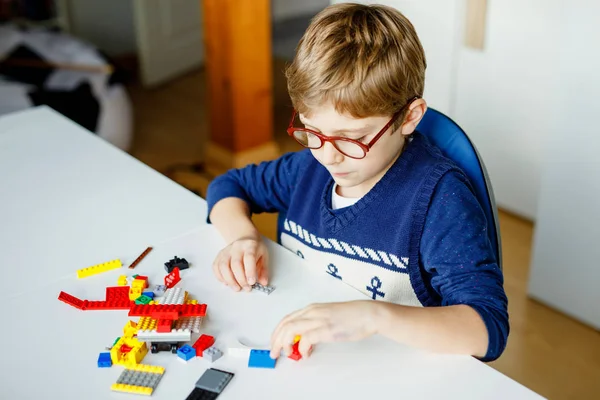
(416, 111)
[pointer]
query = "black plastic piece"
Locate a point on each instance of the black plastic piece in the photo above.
(176, 262)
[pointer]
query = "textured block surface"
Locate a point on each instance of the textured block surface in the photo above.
(147, 323)
(186, 352)
(159, 290)
(173, 296)
(203, 343)
(263, 289)
(168, 311)
(143, 299)
(214, 380)
(173, 336)
(98, 269)
(104, 360)
(212, 354)
(72, 300)
(260, 359)
(191, 323)
(140, 379)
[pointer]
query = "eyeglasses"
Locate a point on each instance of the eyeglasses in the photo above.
(348, 147)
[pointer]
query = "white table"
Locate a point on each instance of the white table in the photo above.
(50, 349)
(69, 200)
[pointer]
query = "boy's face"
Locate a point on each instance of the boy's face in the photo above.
(356, 177)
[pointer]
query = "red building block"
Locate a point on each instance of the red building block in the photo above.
(173, 278)
(72, 300)
(203, 343)
(109, 305)
(168, 311)
(295, 352)
(193, 310)
(164, 325)
(125, 348)
(117, 293)
(160, 311)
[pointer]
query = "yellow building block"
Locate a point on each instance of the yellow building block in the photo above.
(137, 354)
(122, 280)
(191, 302)
(138, 284)
(119, 387)
(148, 375)
(98, 269)
(130, 329)
(155, 369)
(147, 323)
(134, 293)
(134, 356)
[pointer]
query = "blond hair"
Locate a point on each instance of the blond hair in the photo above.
(365, 59)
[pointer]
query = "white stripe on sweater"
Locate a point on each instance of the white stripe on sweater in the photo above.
(395, 285)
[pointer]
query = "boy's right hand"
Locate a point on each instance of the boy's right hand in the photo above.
(242, 263)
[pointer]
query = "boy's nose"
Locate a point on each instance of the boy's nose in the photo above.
(331, 155)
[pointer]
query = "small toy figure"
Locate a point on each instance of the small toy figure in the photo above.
(176, 262)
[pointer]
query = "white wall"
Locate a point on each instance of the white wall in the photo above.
(284, 9)
(504, 96)
(107, 24)
(565, 272)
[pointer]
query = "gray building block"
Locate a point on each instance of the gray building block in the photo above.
(212, 354)
(263, 289)
(214, 380)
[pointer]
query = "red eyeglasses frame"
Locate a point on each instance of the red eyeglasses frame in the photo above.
(366, 147)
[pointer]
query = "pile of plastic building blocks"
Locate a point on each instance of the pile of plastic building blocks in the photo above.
(168, 318)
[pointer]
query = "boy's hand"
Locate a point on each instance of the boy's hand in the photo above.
(243, 263)
(331, 322)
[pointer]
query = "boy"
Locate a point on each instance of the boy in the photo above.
(371, 201)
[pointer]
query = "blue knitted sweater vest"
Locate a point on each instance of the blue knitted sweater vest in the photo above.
(374, 244)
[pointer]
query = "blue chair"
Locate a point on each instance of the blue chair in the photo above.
(456, 145)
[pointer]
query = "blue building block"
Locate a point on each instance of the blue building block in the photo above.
(104, 360)
(261, 359)
(149, 294)
(186, 352)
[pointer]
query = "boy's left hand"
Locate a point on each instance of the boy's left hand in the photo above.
(328, 322)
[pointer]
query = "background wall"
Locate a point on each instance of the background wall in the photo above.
(502, 95)
(285, 9)
(505, 96)
(107, 23)
(564, 272)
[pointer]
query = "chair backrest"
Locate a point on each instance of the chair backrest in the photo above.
(456, 145)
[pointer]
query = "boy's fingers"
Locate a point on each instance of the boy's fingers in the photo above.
(263, 276)
(263, 267)
(217, 271)
(285, 334)
(277, 346)
(250, 267)
(305, 347)
(311, 337)
(228, 276)
(218, 274)
(237, 268)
